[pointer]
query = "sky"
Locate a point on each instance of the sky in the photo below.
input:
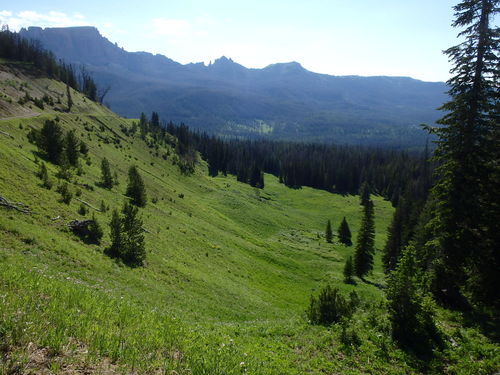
(338, 37)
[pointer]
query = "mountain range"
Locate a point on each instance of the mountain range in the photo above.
(280, 101)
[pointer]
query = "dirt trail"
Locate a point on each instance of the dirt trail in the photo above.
(29, 115)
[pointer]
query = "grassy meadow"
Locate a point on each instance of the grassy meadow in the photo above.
(228, 274)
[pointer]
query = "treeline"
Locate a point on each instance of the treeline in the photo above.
(14, 47)
(339, 169)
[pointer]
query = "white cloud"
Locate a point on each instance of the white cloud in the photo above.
(32, 18)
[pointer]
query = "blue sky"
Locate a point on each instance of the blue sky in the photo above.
(339, 37)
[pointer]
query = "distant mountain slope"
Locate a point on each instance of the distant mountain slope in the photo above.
(280, 101)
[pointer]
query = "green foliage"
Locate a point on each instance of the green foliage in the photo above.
(365, 246)
(43, 174)
(135, 188)
(95, 232)
(364, 194)
(50, 141)
(410, 309)
(328, 232)
(466, 220)
(66, 193)
(82, 210)
(103, 207)
(64, 170)
(72, 146)
(133, 247)
(116, 229)
(344, 233)
(349, 271)
(69, 99)
(127, 238)
(107, 180)
(329, 307)
(84, 149)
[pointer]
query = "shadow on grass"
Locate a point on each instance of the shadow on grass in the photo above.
(377, 285)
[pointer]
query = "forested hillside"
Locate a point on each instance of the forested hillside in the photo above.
(282, 101)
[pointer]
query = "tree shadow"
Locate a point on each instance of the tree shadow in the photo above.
(377, 285)
(487, 322)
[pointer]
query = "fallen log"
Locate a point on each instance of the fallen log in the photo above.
(88, 204)
(21, 207)
(6, 134)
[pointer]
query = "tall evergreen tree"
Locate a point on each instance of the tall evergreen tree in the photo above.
(72, 146)
(344, 233)
(365, 246)
(133, 247)
(143, 125)
(155, 120)
(69, 98)
(136, 188)
(50, 140)
(410, 311)
(348, 271)
(107, 180)
(116, 229)
(95, 232)
(466, 220)
(127, 239)
(364, 193)
(328, 232)
(43, 174)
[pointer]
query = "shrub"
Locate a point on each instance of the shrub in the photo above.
(82, 210)
(66, 194)
(135, 188)
(329, 307)
(410, 308)
(127, 239)
(43, 174)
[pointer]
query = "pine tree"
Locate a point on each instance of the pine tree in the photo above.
(106, 177)
(72, 146)
(82, 210)
(155, 121)
(69, 98)
(95, 231)
(64, 171)
(134, 252)
(344, 233)
(143, 125)
(466, 220)
(364, 194)
(66, 194)
(348, 271)
(394, 242)
(410, 309)
(43, 174)
(50, 140)
(328, 232)
(365, 246)
(136, 189)
(115, 226)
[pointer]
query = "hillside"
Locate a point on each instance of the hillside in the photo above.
(280, 101)
(228, 274)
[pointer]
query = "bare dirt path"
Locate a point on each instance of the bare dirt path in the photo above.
(29, 115)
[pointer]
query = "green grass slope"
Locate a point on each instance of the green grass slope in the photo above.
(228, 274)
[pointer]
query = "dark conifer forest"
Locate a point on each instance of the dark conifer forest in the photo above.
(17, 48)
